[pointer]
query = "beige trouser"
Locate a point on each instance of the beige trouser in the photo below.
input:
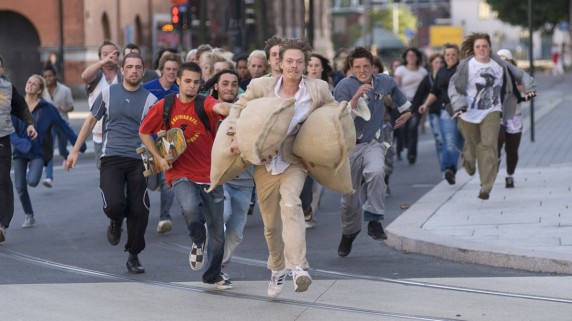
(281, 209)
(481, 146)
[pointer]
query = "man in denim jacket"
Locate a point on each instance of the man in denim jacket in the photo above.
(366, 161)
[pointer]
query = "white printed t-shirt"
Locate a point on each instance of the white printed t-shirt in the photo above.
(483, 90)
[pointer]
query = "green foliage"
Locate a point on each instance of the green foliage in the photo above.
(385, 17)
(515, 12)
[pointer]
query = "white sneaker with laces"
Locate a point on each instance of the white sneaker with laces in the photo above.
(276, 283)
(302, 279)
(30, 220)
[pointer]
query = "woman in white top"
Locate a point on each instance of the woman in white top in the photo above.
(408, 77)
(483, 87)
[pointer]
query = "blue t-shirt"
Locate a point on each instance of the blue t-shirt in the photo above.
(154, 87)
(122, 112)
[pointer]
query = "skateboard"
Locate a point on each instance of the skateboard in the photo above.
(170, 143)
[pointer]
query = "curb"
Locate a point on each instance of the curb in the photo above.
(406, 233)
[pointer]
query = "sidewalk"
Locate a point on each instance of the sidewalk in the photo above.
(528, 227)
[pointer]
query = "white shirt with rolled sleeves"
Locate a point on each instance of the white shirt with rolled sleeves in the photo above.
(302, 109)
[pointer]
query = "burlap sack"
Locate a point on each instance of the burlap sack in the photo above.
(225, 165)
(339, 180)
(327, 137)
(262, 128)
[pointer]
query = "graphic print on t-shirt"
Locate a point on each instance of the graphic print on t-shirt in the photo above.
(183, 122)
(488, 86)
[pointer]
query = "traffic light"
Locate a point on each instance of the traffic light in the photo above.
(175, 19)
(180, 17)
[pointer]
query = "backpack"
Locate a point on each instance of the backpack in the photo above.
(199, 109)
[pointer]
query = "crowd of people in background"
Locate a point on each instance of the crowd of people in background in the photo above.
(459, 92)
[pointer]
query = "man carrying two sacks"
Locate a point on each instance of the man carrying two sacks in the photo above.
(278, 174)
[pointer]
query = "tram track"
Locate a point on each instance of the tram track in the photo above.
(344, 275)
(197, 289)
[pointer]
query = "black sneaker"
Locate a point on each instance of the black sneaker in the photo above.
(345, 246)
(196, 256)
(134, 266)
(450, 176)
(114, 232)
(375, 230)
(509, 182)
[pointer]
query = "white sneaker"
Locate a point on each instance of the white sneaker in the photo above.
(223, 282)
(311, 223)
(2, 233)
(48, 182)
(276, 283)
(302, 279)
(164, 226)
(30, 220)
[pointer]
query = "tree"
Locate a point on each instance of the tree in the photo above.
(406, 21)
(515, 12)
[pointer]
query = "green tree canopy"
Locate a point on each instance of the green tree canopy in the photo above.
(515, 12)
(406, 21)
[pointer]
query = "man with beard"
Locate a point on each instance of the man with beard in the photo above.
(237, 193)
(189, 176)
(123, 186)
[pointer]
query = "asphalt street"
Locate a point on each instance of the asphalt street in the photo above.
(66, 256)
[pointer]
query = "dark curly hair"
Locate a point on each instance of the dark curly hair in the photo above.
(359, 52)
(418, 54)
(327, 68)
(208, 86)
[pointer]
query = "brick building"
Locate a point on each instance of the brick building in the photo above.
(31, 30)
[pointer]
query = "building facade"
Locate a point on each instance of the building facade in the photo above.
(31, 31)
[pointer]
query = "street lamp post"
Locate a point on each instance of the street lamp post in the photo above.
(531, 62)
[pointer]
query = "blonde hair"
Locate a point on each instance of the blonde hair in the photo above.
(218, 57)
(43, 89)
(191, 53)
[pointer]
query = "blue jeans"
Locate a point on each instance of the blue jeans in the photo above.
(199, 207)
(236, 204)
(437, 135)
(452, 142)
(61, 140)
(27, 172)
